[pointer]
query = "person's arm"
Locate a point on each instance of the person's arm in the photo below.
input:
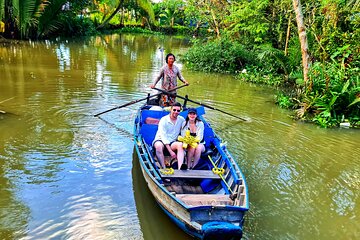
(180, 76)
(183, 129)
(161, 131)
(161, 75)
(200, 130)
(162, 135)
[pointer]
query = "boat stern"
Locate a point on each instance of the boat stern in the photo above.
(217, 230)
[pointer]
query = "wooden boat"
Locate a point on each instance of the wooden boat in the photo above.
(208, 202)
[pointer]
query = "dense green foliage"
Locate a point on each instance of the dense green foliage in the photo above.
(220, 56)
(256, 40)
(333, 96)
(39, 19)
(261, 37)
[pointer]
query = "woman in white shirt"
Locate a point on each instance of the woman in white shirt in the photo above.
(196, 127)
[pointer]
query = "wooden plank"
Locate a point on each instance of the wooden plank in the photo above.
(242, 200)
(193, 174)
(205, 199)
(182, 186)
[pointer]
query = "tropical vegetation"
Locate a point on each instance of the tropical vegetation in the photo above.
(317, 70)
(309, 50)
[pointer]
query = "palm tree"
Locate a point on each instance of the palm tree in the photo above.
(143, 4)
(21, 16)
(30, 18)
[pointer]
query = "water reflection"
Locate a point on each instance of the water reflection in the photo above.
(14, 214)
(153, 221)
(63, 55)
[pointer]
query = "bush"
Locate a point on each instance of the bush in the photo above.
(332, 95)
(76, 26)
(284, 101)
(221, 55)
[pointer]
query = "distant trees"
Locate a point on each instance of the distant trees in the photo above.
(38, 19)
(144, 7)
(170, 12)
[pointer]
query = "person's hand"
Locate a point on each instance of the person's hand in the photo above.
(173, 155)
(186, 82)
(152, 86)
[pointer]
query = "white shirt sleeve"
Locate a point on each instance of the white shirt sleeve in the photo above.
(163, 135)
(200, 130)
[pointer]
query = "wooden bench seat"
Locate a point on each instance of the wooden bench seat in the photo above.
(205, 199)
(192, 174)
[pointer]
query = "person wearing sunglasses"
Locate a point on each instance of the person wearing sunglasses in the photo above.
(169, 74)
(196, 128)
(166, 136)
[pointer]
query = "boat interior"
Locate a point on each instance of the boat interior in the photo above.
(201, 186)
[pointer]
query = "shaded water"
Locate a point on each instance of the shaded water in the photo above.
(65, 174)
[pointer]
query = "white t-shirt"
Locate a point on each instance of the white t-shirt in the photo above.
(168, 132)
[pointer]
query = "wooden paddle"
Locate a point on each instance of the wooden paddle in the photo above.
(1, 111)
(202, 104)
(136, 101)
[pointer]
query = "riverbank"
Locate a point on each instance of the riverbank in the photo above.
(329, 98)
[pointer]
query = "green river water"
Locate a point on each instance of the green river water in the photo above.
(65, 174)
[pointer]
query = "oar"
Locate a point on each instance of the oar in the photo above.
(136, 101)
(1, 111)
(220, 174)
(6, 100)
(202, 104)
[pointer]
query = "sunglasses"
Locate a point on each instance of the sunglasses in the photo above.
(176, 110)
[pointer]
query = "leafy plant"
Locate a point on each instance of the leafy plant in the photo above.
(284, 101)
(221, 55)
(334, 94)
(273, 58)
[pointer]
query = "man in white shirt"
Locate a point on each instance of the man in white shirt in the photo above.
(167, 134)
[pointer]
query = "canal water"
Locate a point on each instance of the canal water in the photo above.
(65, 174)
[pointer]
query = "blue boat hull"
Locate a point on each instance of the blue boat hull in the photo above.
(213, 230)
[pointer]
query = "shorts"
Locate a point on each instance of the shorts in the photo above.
(166, 152)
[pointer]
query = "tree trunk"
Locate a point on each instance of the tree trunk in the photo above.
(112, 15)
(10, 25)
(288, 35)
(302, 38)
(215, 23)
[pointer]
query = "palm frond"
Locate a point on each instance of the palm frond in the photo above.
(357, 100)
(2, 9)
(148, 8)
(48, 22)
(26, 14)
(24, 11)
